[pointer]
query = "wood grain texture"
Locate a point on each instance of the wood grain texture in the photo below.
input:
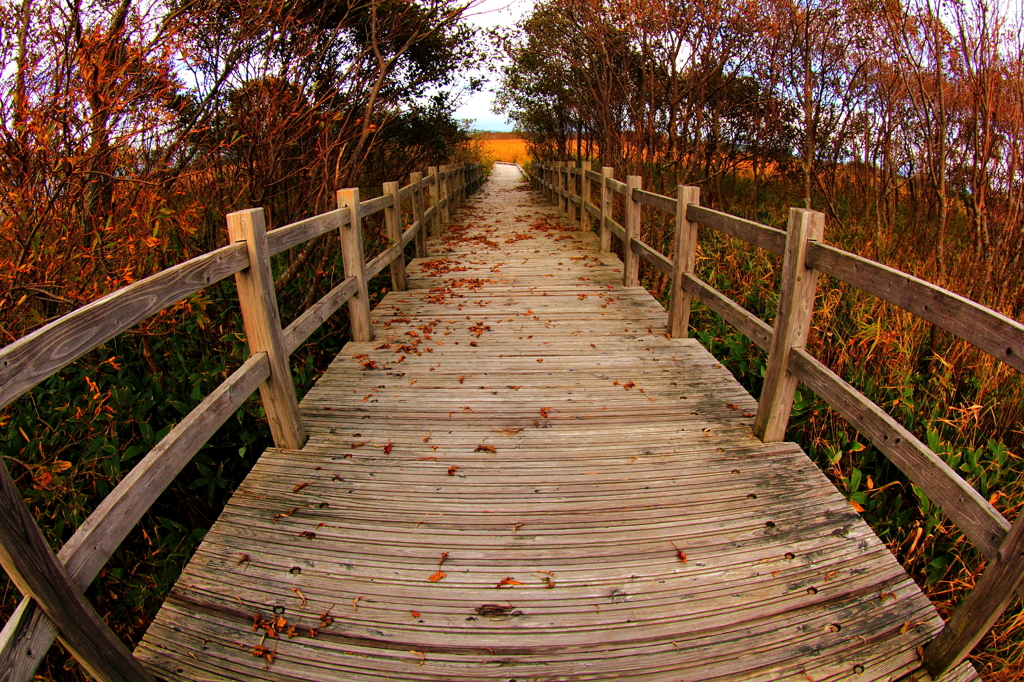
(285, 237)
(434, 186)
(750, 325)
(982, 607)
(33, 568)
(523, 417)
(747, 230)
(652, 256)
(586, 206)
(34, 358)
(376, 205)
(683, 260)
(982, 523)
(418, 215)
(352, 252)
(658, 201)
(571, 197)
(393, 224)
(792, 324)
(616, 186)
(631, 266)
(310, 320)
(28, 635)
(261, 321)
(992, 332)
(607, 206)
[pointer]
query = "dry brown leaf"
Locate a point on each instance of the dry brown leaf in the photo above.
(301, 596)
(507, 581)
(439, 575)
(486, 448)
(299, 487)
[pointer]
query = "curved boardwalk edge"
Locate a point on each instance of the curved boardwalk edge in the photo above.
(589, 489)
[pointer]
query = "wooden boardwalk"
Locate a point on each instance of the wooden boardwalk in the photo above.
(521, 478)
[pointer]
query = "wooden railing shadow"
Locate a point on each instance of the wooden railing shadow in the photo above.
(54, 605)
(805, 255)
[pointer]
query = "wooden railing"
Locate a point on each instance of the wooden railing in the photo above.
(804, 256)
(53, 584)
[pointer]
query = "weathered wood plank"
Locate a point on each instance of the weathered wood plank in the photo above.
(658, 201)
(982, 523)
(375, 205)
(27, 636)
(385, 258)
(393, 224)
(309, 321)
(998, 335)
(35, 357)
(649, 254)
(32, 566)
(616, 186)
(285, 237)
(754, 233)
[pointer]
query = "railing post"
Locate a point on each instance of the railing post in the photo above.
(685, 253)
(262, 323)
(631, 265)
(416, 178)
(435, 193)
(606, 208)
(982, 607)
(36, 571)
(563, 186)
(355, 264)
(393, 222)
(570, 185)
(792, 324)
(446, 195)
(586, 220)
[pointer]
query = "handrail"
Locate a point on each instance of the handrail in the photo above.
(59, 582)
(804, 256)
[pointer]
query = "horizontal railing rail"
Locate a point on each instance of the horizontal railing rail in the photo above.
(53, 584)
(805, 255)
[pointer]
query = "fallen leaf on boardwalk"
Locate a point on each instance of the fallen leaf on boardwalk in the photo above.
(388, 448)
(287, 513)
(367, 397)
(628, 386)
(515, 388)
(437, 576)
(682, 555)
(325, 617)
(517, 526)
(509, 432)
(244, 558)
(544, 412)
(415, 614)
(540, 359)
(308, 534)
(427, 437)
(486, 448)
(358, 445)
(549, 583)
(452, 469)
(299, 487)
(423, 656)
(507, 581)
(423, 459)
(732, 406)
(462, 378)
(856, 507)
(301, 596)
(355, 603)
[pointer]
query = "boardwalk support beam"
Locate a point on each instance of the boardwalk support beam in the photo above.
(355, 265)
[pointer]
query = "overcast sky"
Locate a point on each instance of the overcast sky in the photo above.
(478, 106)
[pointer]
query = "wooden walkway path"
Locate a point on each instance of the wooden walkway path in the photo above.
(521, 478)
